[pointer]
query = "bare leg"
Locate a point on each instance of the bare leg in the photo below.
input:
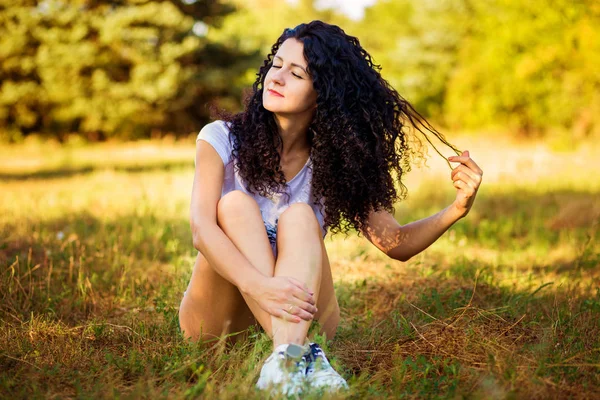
(329, 310)
(214, 306)
(300, 256)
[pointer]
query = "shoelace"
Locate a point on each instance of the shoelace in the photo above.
(313, 355)
(294, 355)
(332, 376)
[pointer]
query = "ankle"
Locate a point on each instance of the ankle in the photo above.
(280, 347)
(292, 341)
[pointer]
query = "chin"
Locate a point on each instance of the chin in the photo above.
(273, 104)
(269, 107)
(266, 105)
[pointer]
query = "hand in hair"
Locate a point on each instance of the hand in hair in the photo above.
(466, 179)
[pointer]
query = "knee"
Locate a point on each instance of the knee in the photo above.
(197, 336)
(300, 215)
(191, 335)
(195, 330)
(235, 202)
(188, 330)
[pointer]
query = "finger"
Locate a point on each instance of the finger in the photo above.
(301, 285)
(305, 315)
(299, 312)
(459, 184)
(467, 160)
(467, 189)
(310, 308)
(465, 173)
(302, 296)
(463, 168)
(283, 314)
(466, 179)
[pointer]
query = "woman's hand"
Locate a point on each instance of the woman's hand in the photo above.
(466, 178)
(285, 297)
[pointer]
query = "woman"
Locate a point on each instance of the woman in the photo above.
(316, 149)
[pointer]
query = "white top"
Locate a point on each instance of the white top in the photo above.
(217, 134)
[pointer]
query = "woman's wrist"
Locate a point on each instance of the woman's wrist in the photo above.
(250, 281)
(455, 212)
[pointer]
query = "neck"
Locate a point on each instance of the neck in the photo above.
(294, 133)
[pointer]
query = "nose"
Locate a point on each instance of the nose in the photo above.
(277, 77)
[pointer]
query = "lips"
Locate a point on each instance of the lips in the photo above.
(275, 93)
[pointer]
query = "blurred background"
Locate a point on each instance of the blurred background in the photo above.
(100, 105)
(139, 69)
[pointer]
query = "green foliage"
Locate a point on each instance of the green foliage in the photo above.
(106, 69)
(435, 378)
(135, 68)
(531, 65)
(527, 66)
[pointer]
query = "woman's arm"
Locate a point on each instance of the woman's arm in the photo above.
(401, 242)
(208, 238)
(272, 293)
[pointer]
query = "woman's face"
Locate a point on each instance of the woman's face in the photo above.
(288, 77)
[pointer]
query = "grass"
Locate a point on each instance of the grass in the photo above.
(95, 253)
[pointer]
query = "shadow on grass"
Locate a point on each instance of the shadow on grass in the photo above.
(440, 336)
(65, 172)
(77, 265)
(430, 337)
(80, 246)
(112, 285)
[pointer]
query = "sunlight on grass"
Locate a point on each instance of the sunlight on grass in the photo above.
(96, 252)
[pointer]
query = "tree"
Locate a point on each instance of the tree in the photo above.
(122, 69)
(531, 66)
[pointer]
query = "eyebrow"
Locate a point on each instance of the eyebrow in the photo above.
(294, 64)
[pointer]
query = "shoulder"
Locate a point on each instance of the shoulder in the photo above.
(218, 125)
(217, 134)
(222, 124)
(216, 129)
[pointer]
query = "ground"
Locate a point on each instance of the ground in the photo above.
(95, 253)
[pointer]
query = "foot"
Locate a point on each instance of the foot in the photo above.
(319, 372)
(284, 370)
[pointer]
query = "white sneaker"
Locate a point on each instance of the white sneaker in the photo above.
(319, 372)
(284, 370)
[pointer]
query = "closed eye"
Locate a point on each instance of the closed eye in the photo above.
(299, 77)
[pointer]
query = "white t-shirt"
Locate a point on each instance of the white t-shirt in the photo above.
(217, 134)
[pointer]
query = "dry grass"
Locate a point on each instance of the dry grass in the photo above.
(96, 252)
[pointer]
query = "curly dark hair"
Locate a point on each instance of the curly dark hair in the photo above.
(358, 136)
